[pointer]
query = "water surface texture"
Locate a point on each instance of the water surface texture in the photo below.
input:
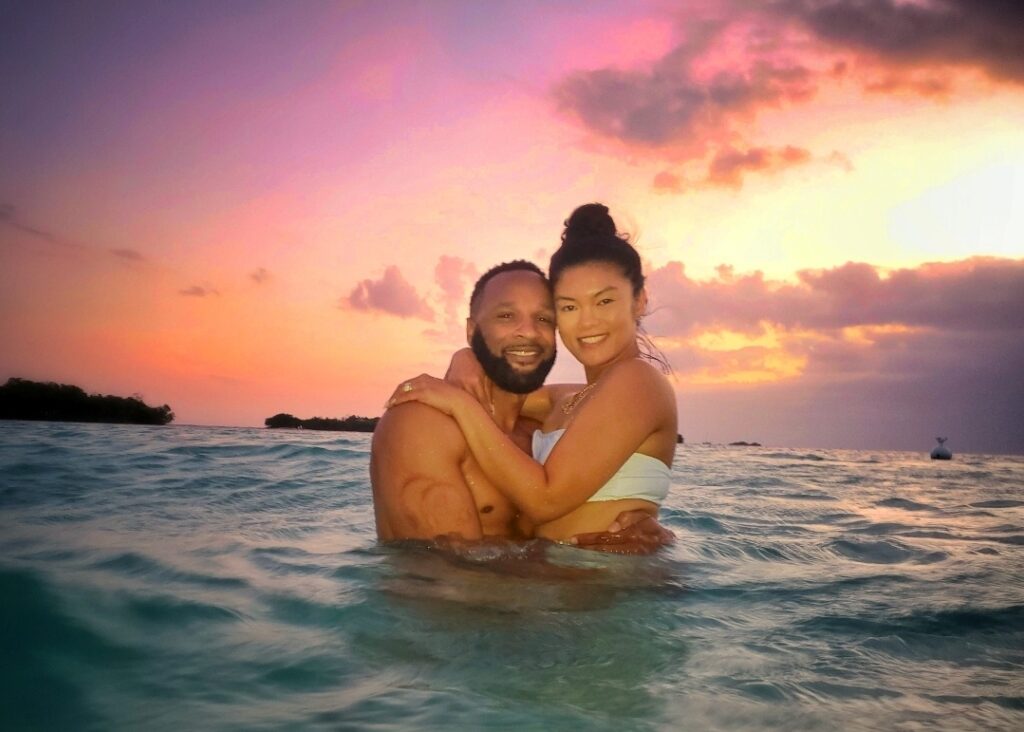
(229, 579)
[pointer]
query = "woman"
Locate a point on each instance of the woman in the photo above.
(605, 448)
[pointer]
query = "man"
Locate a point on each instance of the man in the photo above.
(426, 483)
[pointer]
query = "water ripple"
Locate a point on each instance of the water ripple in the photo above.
(227, 579)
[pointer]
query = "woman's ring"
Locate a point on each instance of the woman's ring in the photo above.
(407, 386)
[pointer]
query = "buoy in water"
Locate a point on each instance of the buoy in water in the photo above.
(940, 451)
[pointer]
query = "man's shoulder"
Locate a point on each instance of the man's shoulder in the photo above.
(416, 423)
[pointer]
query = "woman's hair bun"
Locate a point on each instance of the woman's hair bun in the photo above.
(587, 221)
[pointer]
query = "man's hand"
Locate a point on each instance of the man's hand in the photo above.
(632, 532)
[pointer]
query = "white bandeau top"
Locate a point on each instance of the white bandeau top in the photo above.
(641, 476)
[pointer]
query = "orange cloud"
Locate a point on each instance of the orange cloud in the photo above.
(131, 255)
(198, 291)
(667, 182)
(729, 165)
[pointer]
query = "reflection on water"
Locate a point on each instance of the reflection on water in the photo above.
(576, 636)
(208, 578)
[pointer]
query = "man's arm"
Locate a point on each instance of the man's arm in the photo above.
(419, 491)
(632, 532)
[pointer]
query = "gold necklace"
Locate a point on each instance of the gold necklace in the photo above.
(571, 404)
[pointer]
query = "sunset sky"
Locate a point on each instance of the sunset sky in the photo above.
(244, 208)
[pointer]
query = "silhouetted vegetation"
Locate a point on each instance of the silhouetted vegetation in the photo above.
(23, 399)
(282, 420)
(348, 424)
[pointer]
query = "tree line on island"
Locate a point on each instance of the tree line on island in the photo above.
(35, 400)
(348, 424)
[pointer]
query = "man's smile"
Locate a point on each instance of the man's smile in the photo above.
(523, 355)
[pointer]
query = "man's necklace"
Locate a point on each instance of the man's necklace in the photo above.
(577, 397)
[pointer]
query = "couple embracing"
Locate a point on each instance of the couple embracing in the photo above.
(492, 453)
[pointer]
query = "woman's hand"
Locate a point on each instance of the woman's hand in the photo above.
(465, 372)
(432, 392)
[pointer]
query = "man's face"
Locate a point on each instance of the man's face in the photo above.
(513, 331)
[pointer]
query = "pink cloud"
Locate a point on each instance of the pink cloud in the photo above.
(392, 293)
(981, 293)
(697, 100)
(452, 275)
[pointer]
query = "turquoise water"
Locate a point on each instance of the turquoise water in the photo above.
(228, 579)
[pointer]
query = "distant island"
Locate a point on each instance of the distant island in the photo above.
(348, 424)
(35, 400)
(741, 443)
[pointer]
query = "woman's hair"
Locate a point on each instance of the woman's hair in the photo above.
(590, 236)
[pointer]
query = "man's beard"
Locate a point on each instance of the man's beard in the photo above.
(501, 372)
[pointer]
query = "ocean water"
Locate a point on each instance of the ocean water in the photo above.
(229, 579)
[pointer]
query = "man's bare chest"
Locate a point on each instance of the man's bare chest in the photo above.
(497, 513)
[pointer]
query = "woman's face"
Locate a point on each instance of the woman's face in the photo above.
(596, 313)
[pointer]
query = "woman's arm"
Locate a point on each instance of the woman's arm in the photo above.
(631, 402)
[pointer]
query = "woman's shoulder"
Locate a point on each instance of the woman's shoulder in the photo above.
(636, 372)
(635, 383)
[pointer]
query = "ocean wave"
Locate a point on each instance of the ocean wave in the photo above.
(811, 456)
(136, 565)
(997, 503)
(924, 622)
(905, 504)
(885, 552)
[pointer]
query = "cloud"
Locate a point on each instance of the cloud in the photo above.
(259, 275)
(891, 355)
(988, 34)
(452, 274)
(669, 105)
(9, 216)
(130, 255)
(698, 103)
(667, 182)
(729, 165)
(929, 86)
(981, 294)
(392, 293)
(198, 291)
